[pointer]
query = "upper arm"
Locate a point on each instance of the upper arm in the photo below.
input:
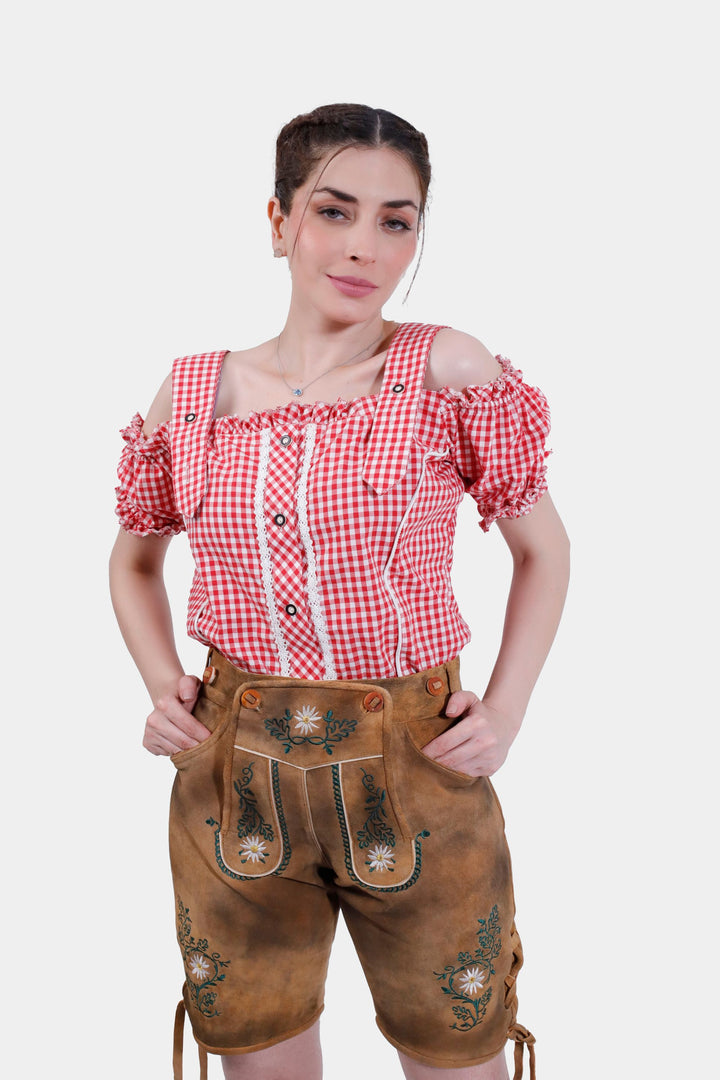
(458, 360)
(539, 532)
(161, 409)
(142, 554)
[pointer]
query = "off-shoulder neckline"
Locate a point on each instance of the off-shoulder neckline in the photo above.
(494, 390)
(507, 378)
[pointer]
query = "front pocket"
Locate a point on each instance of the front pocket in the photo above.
(422, 731)
(215, 718)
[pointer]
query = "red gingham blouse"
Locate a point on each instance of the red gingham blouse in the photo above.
(322, 533)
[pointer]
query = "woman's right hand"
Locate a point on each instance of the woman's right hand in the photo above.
(171, 726)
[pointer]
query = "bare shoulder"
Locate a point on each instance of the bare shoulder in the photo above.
(161, 409)
(458, 360)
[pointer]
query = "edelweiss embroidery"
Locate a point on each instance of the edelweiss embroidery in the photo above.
(375, 828)
(202, 968)
(308, 719)
(468, 981)
(253, 830)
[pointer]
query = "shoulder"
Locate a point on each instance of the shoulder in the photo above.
(458, 360)
(160, 411)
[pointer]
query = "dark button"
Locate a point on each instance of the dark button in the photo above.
(291, 609)
(372, 702)
(279, 519)
(398, 388)
(189, 417)
(249, 699)
(286, 440)
(435, 686)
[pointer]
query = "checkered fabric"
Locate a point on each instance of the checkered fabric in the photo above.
(322, 533)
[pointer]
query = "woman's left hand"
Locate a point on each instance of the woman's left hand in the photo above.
(478, 743)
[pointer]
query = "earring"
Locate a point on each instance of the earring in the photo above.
(278, 253)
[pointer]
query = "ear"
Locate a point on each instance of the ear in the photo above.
(277, 224)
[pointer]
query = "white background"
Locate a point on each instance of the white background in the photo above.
(573, 228)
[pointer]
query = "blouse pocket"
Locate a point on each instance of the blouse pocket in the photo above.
(421, 731)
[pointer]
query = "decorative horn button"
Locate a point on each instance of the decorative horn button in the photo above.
(435, 686)
(249, 699)
(373, 702)
(210, 674)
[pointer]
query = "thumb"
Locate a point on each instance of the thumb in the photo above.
(188, 686)
(459, 702)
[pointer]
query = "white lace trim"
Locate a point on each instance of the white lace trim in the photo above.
(264, 550)
(316, 608)
(386, 572)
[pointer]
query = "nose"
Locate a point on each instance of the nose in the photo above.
(361, 240)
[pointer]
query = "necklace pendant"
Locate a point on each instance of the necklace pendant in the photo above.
(297, 392)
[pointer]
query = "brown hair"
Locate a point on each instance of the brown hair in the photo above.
(304, 141)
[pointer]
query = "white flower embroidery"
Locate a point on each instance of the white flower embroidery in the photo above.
(472, 981)
(199, 966)
(253, 848)
(381, 858)
(307, 718)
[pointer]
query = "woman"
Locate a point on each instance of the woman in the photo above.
(330, 759)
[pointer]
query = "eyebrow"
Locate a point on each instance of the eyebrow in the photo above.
(342, 196)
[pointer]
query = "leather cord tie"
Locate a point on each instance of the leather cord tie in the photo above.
(178, 1046)
(522, 1037)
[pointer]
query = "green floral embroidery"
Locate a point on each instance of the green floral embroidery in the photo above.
(468, 980)
(283, 830)
(202, 968)
(375, 828)
(307, 719)
(340, 810)
(253, 830)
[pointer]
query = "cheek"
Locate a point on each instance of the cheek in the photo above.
(401, 255)
(315, 244)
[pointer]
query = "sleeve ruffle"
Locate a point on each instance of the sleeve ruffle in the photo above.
(499, 433)
(145, 496)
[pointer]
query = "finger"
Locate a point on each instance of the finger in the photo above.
(450, 740)
(460, 702)
(159, 746)
(188, 687)
(173, 721)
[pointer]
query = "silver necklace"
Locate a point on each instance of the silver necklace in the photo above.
(297, 391)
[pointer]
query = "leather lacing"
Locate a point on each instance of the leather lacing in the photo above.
(178, 1047)
(522, 1037)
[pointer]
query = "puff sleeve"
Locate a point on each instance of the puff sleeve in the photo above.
(498, 436)
(145, 496)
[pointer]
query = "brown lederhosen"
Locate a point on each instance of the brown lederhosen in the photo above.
(310, 797)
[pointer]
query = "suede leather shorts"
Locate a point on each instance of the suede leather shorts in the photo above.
(311, 798)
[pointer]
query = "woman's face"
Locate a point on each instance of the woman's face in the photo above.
(351, 232)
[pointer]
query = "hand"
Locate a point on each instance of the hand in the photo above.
(479, 743)
(171, 726)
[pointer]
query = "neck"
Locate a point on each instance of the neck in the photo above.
(310, 345)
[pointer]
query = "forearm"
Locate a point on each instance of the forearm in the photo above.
(535, 603)
(143, 613)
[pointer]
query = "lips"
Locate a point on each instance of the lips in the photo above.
(352, 286)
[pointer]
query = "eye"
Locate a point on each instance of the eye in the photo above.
(332, 213)
(397, 225)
